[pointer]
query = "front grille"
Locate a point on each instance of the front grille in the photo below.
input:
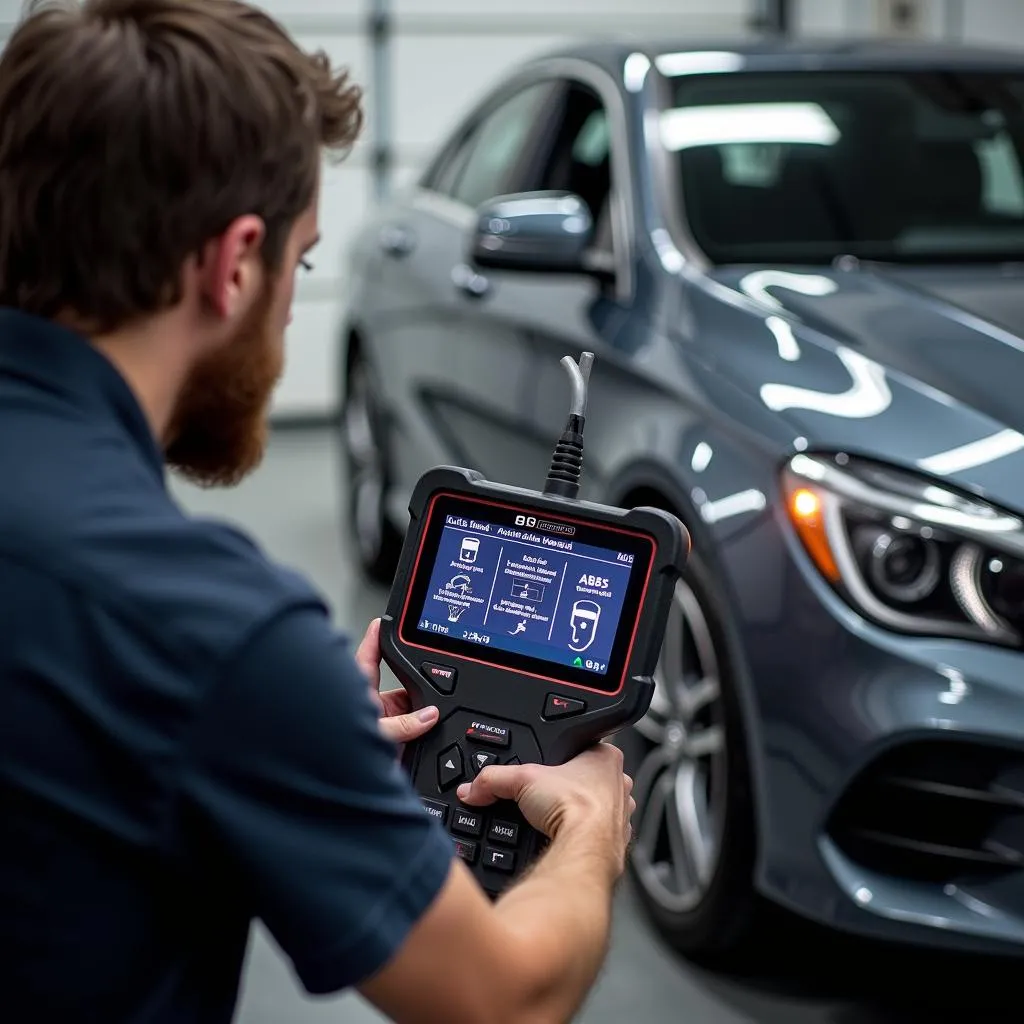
(936, 811)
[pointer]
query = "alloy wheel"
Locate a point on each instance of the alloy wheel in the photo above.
(365, 464)
(680, 786)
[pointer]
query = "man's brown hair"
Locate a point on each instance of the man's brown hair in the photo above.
(133, 131)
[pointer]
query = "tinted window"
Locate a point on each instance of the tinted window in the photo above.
(498, 144)
(580, 160)
(806, 167)
(444, 176)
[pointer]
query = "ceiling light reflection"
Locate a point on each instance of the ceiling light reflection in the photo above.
(724, 123)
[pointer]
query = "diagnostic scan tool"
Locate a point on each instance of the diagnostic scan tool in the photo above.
(533, 621)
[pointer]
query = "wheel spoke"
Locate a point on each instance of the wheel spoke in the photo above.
(685, 816)
(667, 673)
(683, 839)
(651, 804)
(693, 699)
(705, 742)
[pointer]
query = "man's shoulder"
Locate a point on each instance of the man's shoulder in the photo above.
(201, 586)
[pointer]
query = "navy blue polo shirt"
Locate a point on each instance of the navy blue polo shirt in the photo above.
(185, 743)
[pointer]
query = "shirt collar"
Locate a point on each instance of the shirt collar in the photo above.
(60, 360)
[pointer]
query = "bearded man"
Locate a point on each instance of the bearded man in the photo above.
(186, 745)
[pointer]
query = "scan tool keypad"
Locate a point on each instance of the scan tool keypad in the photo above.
(488, 836)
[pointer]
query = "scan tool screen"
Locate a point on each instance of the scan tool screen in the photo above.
(543, 595)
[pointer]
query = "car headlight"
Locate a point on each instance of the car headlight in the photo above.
(911, 554)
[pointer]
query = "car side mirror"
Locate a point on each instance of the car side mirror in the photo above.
(542, 232)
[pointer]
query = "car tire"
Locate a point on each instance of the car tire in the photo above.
(377, 543)
(691, 862)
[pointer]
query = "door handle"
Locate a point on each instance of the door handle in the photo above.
(396, 241)
(469, 282)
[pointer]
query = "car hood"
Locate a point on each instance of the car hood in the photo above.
(923, 367)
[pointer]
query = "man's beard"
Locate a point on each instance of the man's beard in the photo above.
(219, 429)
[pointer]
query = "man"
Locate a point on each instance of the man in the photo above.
(185, 745)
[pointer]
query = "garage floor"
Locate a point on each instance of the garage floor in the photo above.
(290, 506)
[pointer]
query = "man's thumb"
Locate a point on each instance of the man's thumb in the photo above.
(403, 728)
(504, 782)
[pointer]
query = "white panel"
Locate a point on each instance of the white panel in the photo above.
(987, 22)
(439, 77)
(10, 11)
(997, 22)
(288, 10)
(588, 9)
(308, 387)
(831, 17)
(346, 50)
(346, 194)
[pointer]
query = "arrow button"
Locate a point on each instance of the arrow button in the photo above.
(482, 758)
(449, 766)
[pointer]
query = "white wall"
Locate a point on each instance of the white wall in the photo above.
(996, 22)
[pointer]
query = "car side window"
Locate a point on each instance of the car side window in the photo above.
(444, 176)
(580, 158)
(497, 146)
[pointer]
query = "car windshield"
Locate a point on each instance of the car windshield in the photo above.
(809, 166)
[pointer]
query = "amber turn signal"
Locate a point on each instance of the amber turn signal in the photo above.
(807, 515)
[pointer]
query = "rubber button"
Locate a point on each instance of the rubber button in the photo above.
(500, 860)
(466, 849)
(481, 759)
(557, 706)
(490, 733)
(441, 677)
(506, 832)
(436, 809)
(449, 766)
(467, 823)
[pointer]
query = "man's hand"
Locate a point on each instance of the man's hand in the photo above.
(397, 722)
(590, 791)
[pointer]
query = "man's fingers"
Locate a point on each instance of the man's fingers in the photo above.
(403, 728)
(496, 782)
(368, 652)
(393, 702)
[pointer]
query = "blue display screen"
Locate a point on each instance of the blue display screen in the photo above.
(519, 590)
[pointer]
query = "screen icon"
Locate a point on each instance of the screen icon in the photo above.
(470, 548)
(578, 661)
(527, 590)
(585, 617)
(460, 586)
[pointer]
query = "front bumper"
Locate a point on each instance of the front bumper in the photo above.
(890, 769)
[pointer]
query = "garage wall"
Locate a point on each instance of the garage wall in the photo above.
(996, 22)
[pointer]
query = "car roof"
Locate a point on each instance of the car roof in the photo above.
(776, 54)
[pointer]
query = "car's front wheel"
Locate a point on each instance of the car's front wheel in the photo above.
(378, 544)
(692, 856)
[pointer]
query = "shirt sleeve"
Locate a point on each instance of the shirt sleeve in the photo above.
(306, 799)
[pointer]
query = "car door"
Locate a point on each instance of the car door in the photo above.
(462, 379)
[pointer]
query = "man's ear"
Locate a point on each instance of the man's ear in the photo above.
(230, 268)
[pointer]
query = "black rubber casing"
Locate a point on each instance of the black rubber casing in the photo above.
(516, 700)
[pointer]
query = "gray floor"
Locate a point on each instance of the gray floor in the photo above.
(290, 506)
